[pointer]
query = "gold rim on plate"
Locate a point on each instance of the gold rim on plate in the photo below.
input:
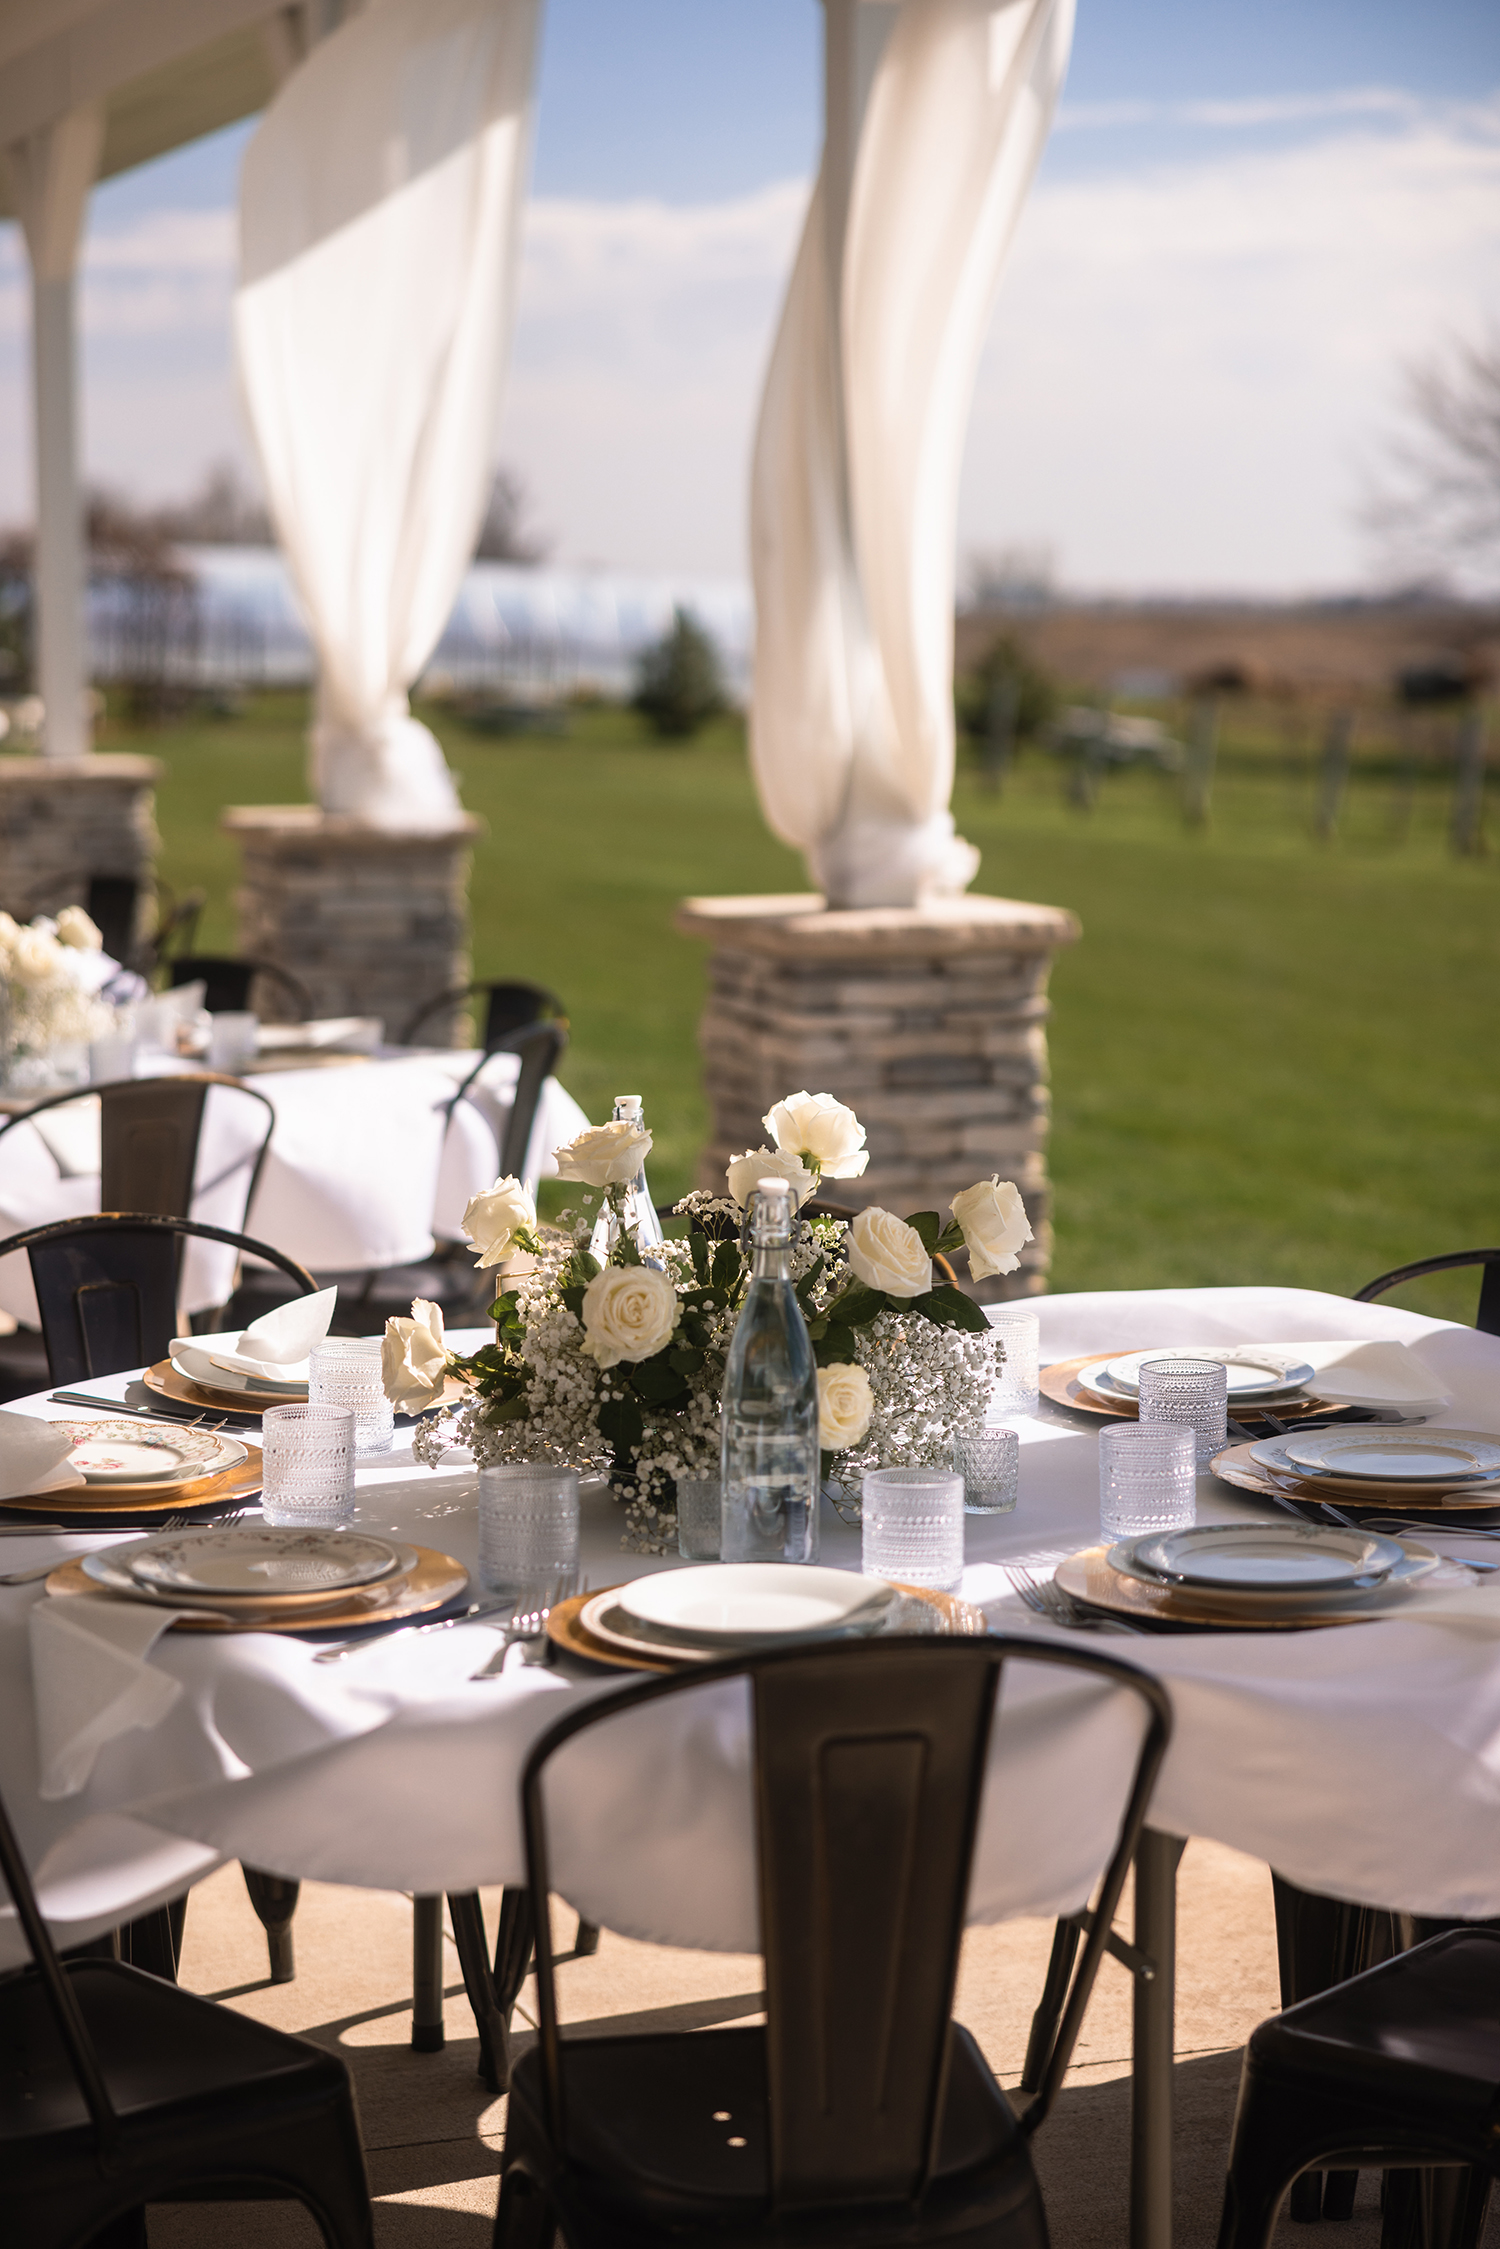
(566, 1632)
(167, 1382)
(1237, 1465)
(1060, 1383)
(242, 1482)
(1087, 1576)
(436, 1580)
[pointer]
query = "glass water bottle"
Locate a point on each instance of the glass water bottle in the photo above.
(640, 1211)
(769, 1456)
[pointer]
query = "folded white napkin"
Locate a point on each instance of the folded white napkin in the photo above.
(34, 1456)
(1383, 1377)
(275, 1346)
(92, 1681)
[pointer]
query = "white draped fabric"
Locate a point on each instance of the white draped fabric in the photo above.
(379, 218)
(854, 494)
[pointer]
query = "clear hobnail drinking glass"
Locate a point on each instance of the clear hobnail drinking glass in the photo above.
(989, 1461)
(699, 1502)
(307, 1464)
(233, 1040)
(1147, 1478)
(1192, 1391)
(528, 1534)
(1015, 1392)
(913, 1526)
(344, 1370)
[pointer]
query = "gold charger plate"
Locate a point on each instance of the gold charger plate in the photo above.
(1088, 1577)
(565, 1631)
(167, 1382)
(242, 1482)
(1060, 1383)
(436, 1580)
(1236, 1465)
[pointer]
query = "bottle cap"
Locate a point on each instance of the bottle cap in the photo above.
(627, 1105)
(773, 1187)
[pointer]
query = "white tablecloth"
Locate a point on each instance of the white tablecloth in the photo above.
(1363, 1761)
(361, 1171)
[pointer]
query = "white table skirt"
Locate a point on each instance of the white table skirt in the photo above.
(1364, 1761)
(361, 1172)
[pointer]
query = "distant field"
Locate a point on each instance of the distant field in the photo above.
(1273, 1059)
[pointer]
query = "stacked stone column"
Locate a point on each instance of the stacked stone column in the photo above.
(65, 820)
(371, 923)
(930, 1022)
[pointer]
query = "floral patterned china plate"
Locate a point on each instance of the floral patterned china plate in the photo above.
(123, 1452)
(256, 1561)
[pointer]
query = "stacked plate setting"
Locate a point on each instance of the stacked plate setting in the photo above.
(1277, 1570)
(730, 1608)
(111, 1453)
(1256, 1375)
(1410, 1470)
(251, 1573)
(213, 1365)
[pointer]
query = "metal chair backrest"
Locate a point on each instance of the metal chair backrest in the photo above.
(112, 905)
(62, 2001)
(1487, 1318)
(106, 1286)
(149, 1129)
(541, 1047)
(507, 1008)
(228, 980)
(869, 1765)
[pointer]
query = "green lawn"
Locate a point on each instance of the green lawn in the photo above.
(1273, 1059)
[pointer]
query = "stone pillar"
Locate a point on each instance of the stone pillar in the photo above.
(372, 923)
(928, 1021)
(64, 820)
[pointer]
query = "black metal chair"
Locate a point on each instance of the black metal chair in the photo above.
(149, 1129)
(1398, 2069)
(507, 1008)
(1487, 1319)
(106, 1285)
(861, 2113)
(112, 903)
(117, 2090)
(228, 982)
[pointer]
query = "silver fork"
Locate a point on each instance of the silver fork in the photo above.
(167, 1523)
(1046, 1598)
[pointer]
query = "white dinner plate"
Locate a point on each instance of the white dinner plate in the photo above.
(1270, 1453)
(1260, 1557)
(123, 1452)
(257, 1561)
(1401, 1456)
(1250, 1370)
(1417, 1562)
(208, 1359)
(731, 1602)
(604, 1618)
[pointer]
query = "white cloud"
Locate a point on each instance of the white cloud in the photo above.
(1189, 361)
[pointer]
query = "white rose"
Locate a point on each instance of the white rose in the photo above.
(821, 1133)
(845, 1406)
(414, 1358)
(34, 958)
(995, 1226)
(629, 1312)
(494, 1218)
(888, 1254)
(746, 1172)
(10, 930)
(75, 928)
(605, 1155)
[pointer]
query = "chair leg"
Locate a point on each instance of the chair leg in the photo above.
(586, 1943)
(154, 1942)
(275, 1902)
(491, 2020)
(524, 2219)
(1066, 1938)
(1339, 2190)
(427, 1975)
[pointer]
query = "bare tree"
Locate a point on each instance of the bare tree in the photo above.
(503, 534)
(1442, 505)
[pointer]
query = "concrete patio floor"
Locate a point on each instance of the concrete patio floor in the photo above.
(433, 2135)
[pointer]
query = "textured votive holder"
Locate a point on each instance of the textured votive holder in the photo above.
(1192, 1391)
(1015, 1393)
(912, 1528)
(699, 1501)
(1147, 1478)
(307, 1464)
(989, 1461)
(344, 1370)
(528, 1534)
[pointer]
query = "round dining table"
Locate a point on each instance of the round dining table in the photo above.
(1361, 1761)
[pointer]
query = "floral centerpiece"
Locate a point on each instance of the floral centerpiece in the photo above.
(618, 1367)
(51, 975)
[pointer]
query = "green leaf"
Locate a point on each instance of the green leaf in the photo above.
(698, 1251)
(950, 1308)
(858, 1304)
(950, 1239)
(625, 1251)
(809, 1282)
(927, 1226)
(835, 1349)
(508, 1409)
(573, 1298)
(725, 1270)
(620, 1424)
(685, 1359)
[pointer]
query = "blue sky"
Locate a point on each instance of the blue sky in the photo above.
(1257, 209)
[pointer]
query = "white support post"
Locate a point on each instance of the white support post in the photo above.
(53, 171)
